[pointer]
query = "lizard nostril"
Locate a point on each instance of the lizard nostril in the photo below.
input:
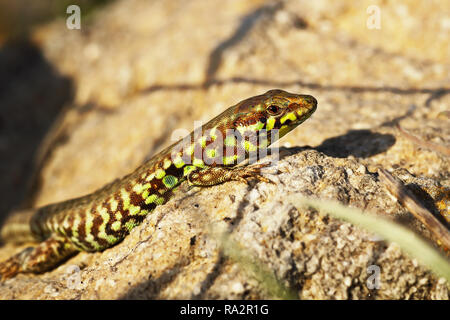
(311, 100)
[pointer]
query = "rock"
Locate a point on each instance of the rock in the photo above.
(323, 257)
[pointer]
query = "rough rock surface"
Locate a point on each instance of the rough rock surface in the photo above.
(136, 81)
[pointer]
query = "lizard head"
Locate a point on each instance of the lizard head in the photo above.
(274, 110)
(255, 123)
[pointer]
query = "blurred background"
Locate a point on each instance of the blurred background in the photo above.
(80, 107)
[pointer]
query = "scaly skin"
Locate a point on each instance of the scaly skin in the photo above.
(206, 157)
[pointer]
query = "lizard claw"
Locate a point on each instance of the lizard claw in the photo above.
(253, 171)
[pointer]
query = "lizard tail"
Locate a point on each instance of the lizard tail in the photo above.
(16, 228)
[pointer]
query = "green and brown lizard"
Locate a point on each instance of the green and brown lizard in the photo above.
(208, 156)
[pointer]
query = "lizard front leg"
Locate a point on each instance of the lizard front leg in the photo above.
(45, 256)
(211, 176)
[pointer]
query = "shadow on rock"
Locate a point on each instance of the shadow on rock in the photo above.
(358, 143)
(32, 96)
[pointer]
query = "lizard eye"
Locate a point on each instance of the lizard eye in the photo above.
(273, 109)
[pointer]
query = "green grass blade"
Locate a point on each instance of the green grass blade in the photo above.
(252, 265)
(409, 241)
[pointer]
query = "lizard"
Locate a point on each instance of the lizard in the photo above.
(208, 156)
